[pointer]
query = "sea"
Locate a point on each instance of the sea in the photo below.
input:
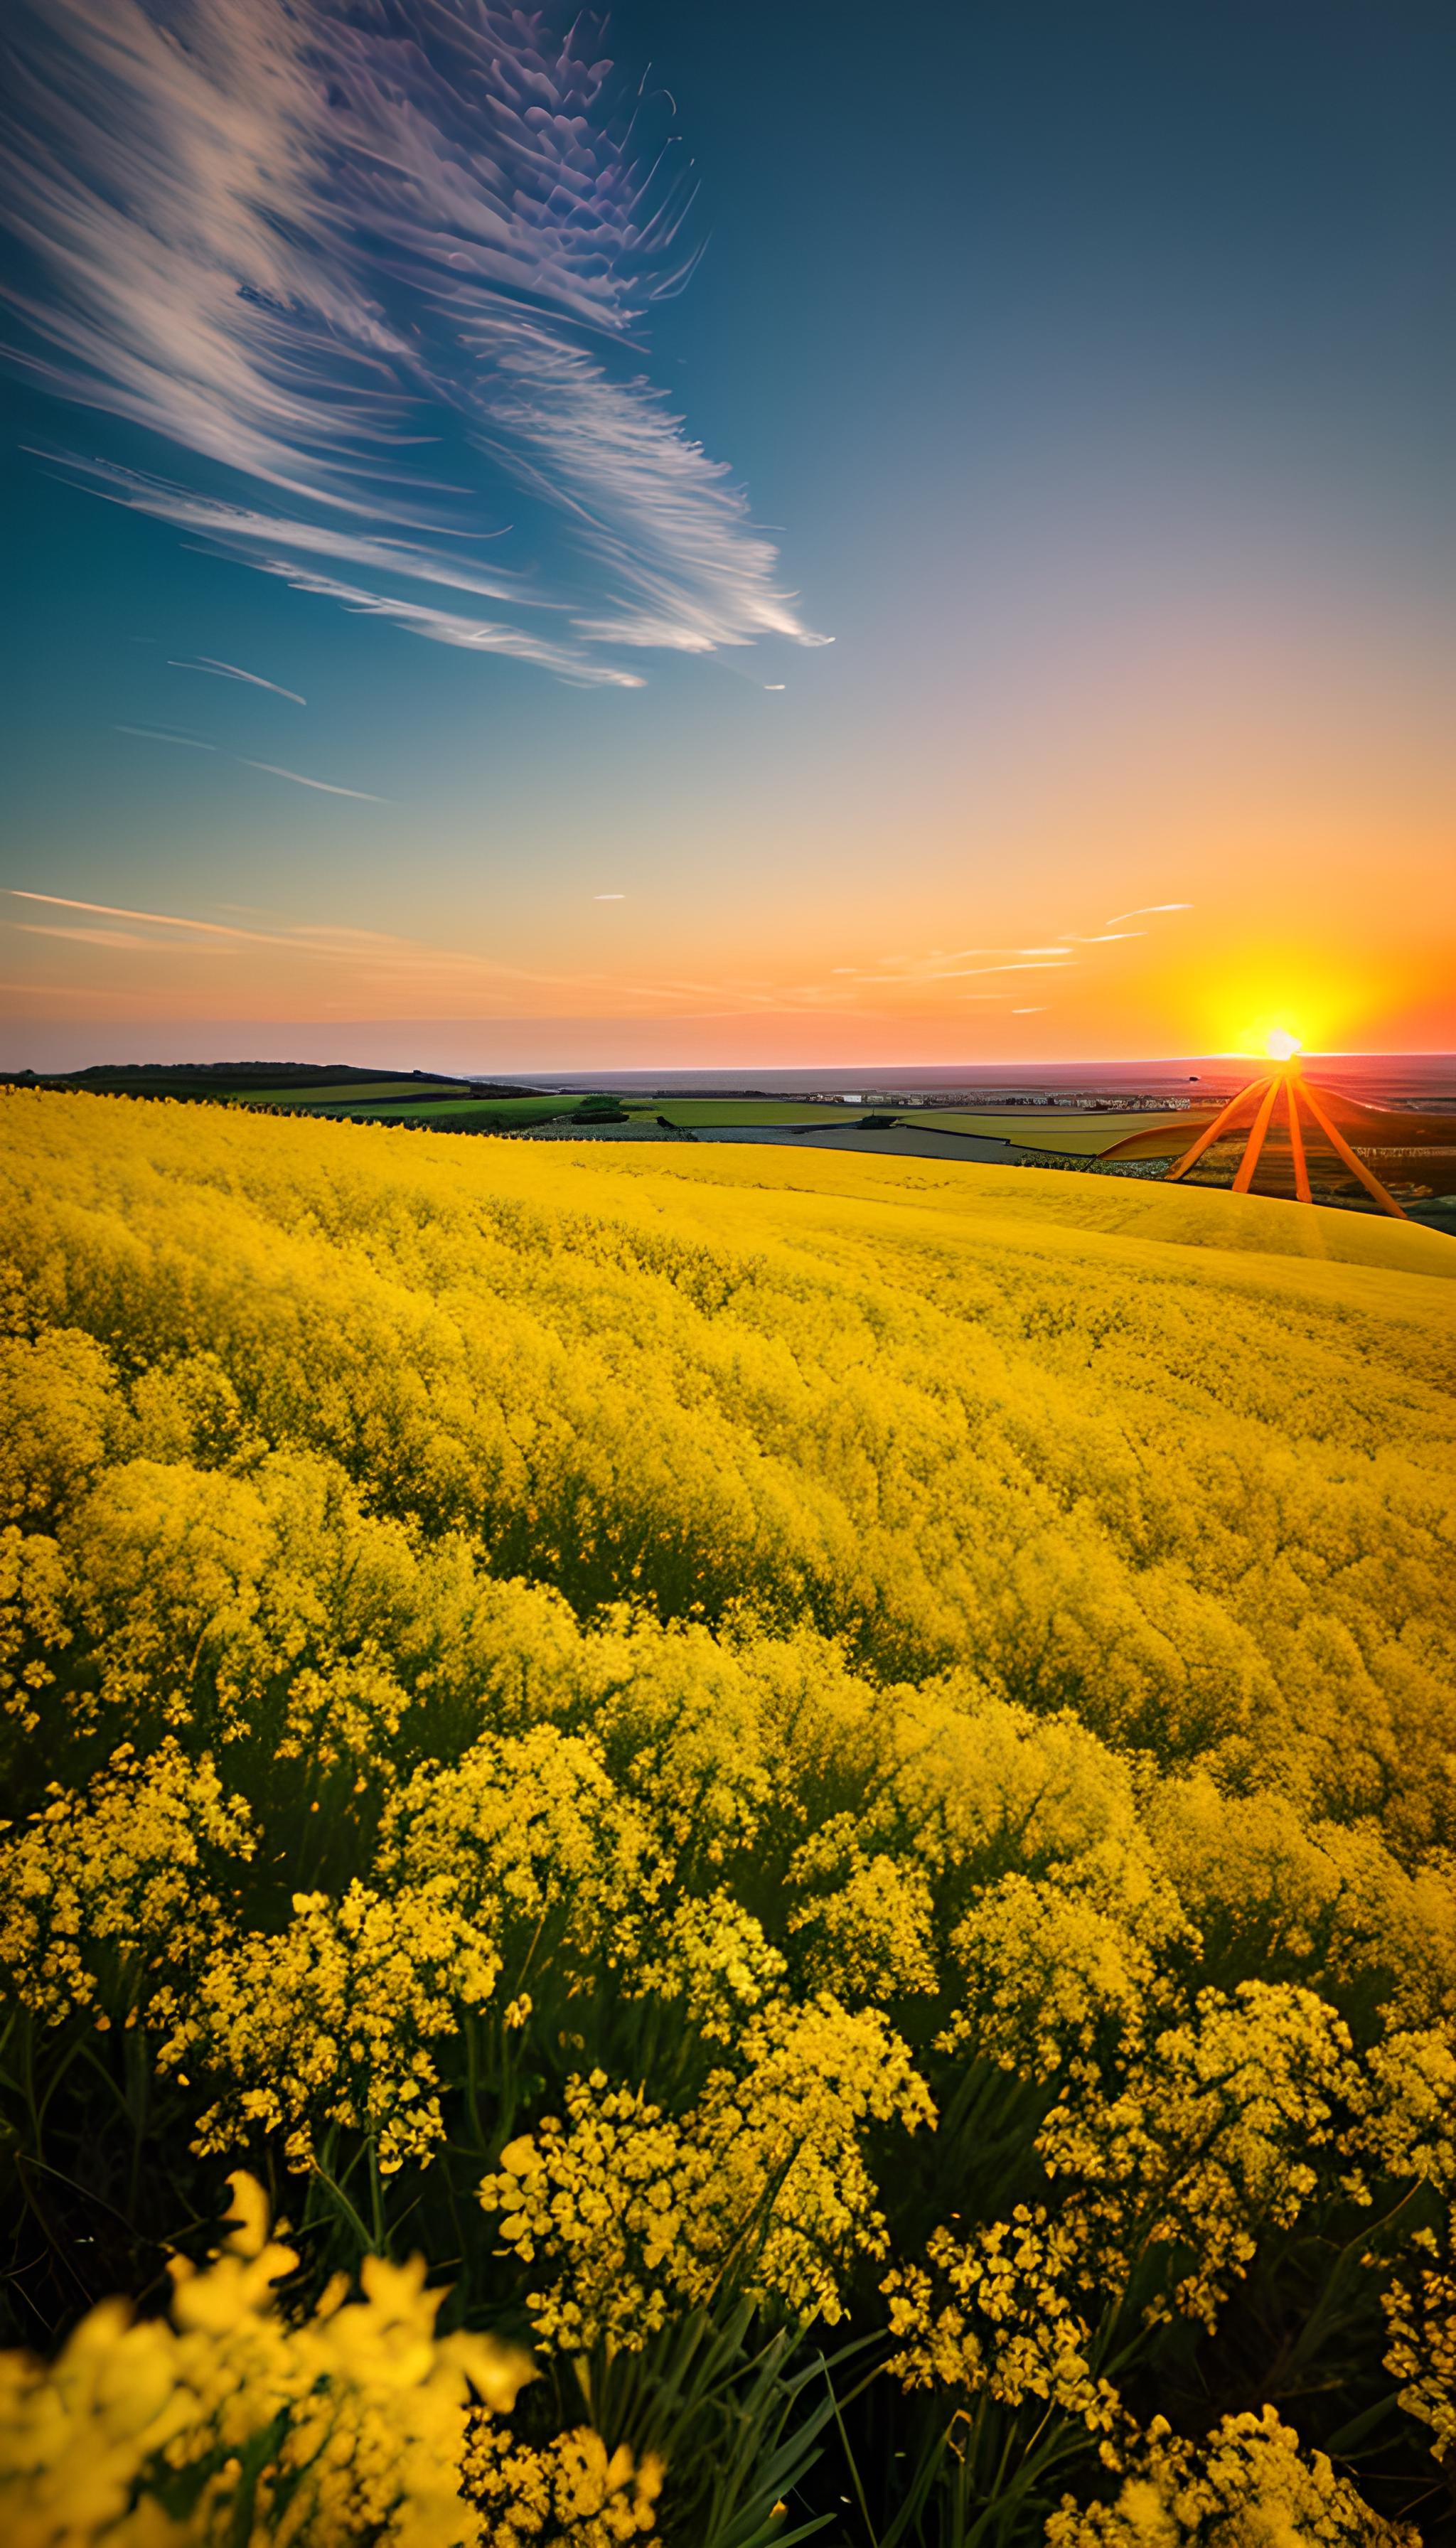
(1423, 1082)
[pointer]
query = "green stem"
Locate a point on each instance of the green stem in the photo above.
(342, 2200)
(376, 2197)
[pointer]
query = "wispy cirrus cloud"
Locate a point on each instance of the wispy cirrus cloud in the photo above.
(379, 966)
(1145, 910)
(166, 734)
(971, 964)
(232, 673)
(273, 768)
(940, 966)
(384, 265)
(324, 787)
(127, 939)
(355, 947)
(381, 970)
(156, 919)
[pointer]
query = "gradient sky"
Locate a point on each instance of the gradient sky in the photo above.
(1085, 376)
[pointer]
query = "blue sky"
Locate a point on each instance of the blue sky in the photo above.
(1086, 377)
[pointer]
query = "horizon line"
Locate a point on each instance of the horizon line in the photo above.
(620, 1070)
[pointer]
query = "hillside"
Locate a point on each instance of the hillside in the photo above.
(744, 1750)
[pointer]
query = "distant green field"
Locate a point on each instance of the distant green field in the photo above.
(465, 1110)
(1073, 1130)
(689, 1110)
(401, 1101)
(341, 1093)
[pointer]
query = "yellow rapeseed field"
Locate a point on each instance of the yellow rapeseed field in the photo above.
(717, 1844)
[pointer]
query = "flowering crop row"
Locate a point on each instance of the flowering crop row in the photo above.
(794, 1818)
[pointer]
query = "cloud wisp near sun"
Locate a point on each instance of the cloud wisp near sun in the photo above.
(377, 277)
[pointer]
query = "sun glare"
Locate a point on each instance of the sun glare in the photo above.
(1280, 1045)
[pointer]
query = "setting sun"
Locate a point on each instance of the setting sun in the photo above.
(1280, 1045)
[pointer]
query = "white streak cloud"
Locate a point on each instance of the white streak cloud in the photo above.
(165, 734)
(323, 785)
(1143, 910)
(234, 673)
(194, 743)
(376, 273)
(157, 919)
(970, 963)
(370, 960)
(125, 938)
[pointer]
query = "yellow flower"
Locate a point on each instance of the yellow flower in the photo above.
(1248, 2482)
(762, 2182)
(357, 2421)
(335, 2020)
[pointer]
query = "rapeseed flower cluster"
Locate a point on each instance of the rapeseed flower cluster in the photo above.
(571, 2494)
(224, 2420)
(761, 2184)
(1246, 2481)
(1421, 2313)
(1207, 2142)
(839, 1803)
(105, 1890)
(993, 2314)
(332, 2021)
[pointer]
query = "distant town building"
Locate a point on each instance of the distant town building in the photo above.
(993, 1101)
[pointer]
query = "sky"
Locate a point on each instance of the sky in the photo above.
(753, 535)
